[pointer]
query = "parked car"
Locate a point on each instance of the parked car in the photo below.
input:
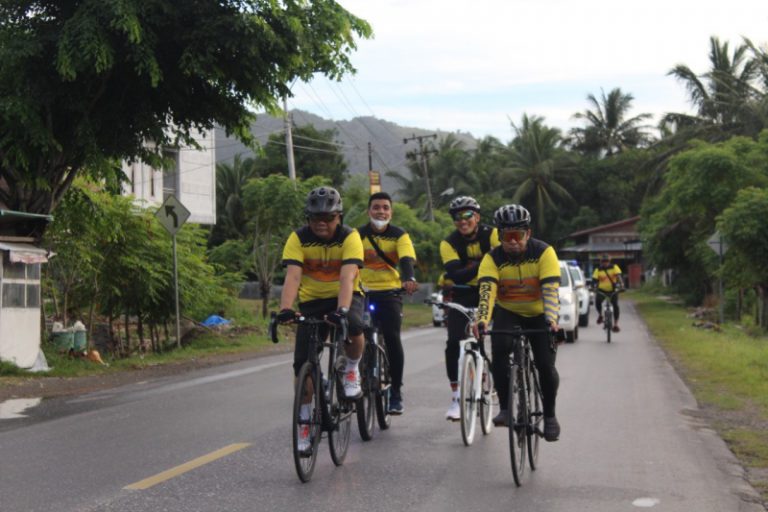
(438, 317)
(582, 291)
(569, 302)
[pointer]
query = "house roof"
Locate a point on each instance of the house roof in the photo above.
(606, 227)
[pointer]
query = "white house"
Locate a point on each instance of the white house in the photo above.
(192, 180)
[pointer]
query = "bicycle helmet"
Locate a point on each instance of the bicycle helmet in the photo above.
(462, 203)
(323, 200)
(512, 216)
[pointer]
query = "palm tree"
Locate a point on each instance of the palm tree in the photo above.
(535, 157)
(608, 131)
(722, 95)
(230, 180)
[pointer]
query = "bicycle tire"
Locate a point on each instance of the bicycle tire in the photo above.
(536, 416)
(608, 323)
(517, 421)
(468, 409)
(365, 407)
(341, 419)
(488, 395)
(384, 383)
(305, 460)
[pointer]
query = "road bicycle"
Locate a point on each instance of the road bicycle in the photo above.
(524, 403)
(330, 411)
(607, 312)
(375, 377)
(476, 391)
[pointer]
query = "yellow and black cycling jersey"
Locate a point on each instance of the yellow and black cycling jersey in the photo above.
(460, 256)
(377, 273)
(525, 284)
(321, 260)
(607, 279)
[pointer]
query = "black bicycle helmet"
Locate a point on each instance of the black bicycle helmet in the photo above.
(462, 203)
(323, 200)
(512, 216)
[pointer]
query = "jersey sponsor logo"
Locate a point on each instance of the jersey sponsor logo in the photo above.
(322, 270)
(515, 290)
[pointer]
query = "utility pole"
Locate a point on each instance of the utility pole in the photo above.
(370, 157)
(423, 156)
(288, 140)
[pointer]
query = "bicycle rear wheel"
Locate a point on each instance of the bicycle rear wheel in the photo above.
(468, 409)
(384, 383)
(535, 415)
(518, 419)
(488, 395)
(306, 393)
(341, 418)
(365, 405)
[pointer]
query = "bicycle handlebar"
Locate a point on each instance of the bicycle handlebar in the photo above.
(301, 319)
(468, 312)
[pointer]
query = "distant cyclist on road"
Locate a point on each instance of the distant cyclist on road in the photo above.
(607, 277)
(522, 278)
(322, 261)
(387, 247)
(461, 253)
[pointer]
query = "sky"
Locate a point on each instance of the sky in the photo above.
(474, 66)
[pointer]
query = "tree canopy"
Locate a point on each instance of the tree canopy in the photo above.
(87, 83)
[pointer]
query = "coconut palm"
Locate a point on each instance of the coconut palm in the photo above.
(535, 157)
(230, 180)
(608, 130)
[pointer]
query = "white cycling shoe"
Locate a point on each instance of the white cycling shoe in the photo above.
(352, 389)
(453, 413)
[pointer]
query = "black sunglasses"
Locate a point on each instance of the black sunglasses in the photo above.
(465, 215)
(322, 217)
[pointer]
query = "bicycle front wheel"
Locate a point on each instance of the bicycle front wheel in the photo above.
(341, 419)
(365, 405)
(383, 385)
(518, 419)
(307, 418)
(488, 395)
(468, 409)
(608, 324)
(535, 415)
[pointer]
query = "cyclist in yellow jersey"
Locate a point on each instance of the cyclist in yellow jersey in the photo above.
(607, 277)
(322, 261)
(461, 253)
(519, 284)
(387, 247)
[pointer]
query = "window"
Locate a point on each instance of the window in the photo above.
(171, 178)
(21, 284)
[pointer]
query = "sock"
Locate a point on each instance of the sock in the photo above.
(455, 394)
(352, 364)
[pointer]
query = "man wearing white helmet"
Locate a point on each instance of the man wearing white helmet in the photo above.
(461, 253)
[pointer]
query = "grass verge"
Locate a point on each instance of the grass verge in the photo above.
(727, 371)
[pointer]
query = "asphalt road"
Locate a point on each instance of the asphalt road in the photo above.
(631, 440)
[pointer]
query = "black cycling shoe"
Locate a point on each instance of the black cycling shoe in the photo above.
(501, 419)
(551, 429)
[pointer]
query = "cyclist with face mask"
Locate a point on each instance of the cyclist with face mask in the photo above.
(521, 278)
(461, 253)
(387, 247)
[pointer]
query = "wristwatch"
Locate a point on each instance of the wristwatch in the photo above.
(343, 311)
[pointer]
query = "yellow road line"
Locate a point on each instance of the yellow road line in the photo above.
(187, 466)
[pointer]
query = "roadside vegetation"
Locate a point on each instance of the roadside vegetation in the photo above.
(727, 371)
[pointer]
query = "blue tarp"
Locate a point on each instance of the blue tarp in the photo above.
(215, 320)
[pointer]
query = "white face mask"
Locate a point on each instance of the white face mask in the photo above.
(379, 224)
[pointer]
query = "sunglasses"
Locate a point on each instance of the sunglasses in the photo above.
(465, 215)
(323, 217)
(513, 235)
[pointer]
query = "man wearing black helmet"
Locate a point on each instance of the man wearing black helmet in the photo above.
(461, 253)
(522, 278)
(322, 261)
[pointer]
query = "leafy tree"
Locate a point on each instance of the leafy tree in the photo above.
(315, 153)
(608, 130)
(743, 226)
(85, 84)
(274, 206)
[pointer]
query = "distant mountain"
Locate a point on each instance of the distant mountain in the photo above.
(353, 136)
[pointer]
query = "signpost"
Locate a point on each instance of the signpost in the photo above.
(717, 244)
(172, 215)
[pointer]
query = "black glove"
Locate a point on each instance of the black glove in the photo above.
(286, 316)
(337, 317)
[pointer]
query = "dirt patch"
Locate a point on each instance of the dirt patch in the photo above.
(49, 387)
